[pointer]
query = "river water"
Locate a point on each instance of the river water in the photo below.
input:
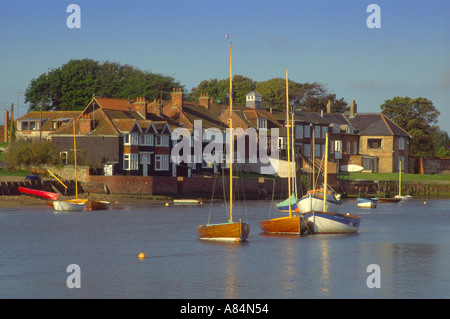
(409, 242)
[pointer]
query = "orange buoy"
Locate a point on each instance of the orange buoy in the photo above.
(141, 256)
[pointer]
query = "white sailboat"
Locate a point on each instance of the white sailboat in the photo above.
(71, 204)
(400, 196)
(314, 199)
(326, 222)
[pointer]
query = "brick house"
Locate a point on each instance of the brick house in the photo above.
(28, 126)
(120, 136)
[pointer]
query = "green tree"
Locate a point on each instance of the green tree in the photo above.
(71, 86)
(417, 117)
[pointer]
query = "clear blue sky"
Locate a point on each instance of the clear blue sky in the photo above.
(324, 41)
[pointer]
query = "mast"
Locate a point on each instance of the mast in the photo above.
(231, 139)
(325, 178)
(288, 143)
(400, 178)
(75, 160)
(313, 146)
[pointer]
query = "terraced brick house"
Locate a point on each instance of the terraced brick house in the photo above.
(120, 136)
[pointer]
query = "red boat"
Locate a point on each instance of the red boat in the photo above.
(29, 191)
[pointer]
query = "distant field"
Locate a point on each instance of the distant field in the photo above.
(394, 177)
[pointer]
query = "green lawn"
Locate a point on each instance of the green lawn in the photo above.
(394, 177)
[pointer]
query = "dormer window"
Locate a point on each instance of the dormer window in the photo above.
(262, 123)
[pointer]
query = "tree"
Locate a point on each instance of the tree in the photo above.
(219, 90)
(71, 86)
(417, 117)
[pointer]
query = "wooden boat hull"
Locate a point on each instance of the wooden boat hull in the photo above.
(332, 223)
(295, 225)
(69, 205)
(36, 192)
(233, 231)
(97, 205)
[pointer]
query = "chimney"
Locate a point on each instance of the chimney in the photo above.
(204, 100)
(85, 124)
(329, 106)
(155, 107)
(177, 97)
(353, 109)
(141, 106)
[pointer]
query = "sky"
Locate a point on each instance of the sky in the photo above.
(325, 41)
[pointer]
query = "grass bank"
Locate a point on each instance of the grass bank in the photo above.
(394, 177)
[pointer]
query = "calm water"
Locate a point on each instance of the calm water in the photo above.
(409, 241)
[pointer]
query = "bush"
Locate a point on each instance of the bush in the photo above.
(24, 153)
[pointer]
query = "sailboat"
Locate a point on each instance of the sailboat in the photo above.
(229, 231)
(71, 204)
(400, 196)
(293, 225)
(314, 199)
(328, 222)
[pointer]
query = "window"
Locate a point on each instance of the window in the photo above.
(316, 150)
(317, 132)
(145, 158)
(307, 130)
(401, 144)
(146, 139)
(331, 147)
(132, 139)
(162, 140)
(306, 148)
(348, 148)
(282, 143)
(161, 162)
(324, 131)
(355, 148)
(299, 131)
(374, 143)
(130, 161)
(262, 123)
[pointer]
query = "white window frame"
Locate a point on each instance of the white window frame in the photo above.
(161, 162)
(130, 161)
(262, 123)
(131, 139)
(146, 139)
(162, 140)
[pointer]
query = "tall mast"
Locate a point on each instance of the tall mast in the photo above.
(325, 181)
(75, 159)
(231, 138)
(288, 143)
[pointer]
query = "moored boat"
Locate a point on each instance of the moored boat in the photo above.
(289, 225)
(313, 200)
(36, 192)
(97, 205)
(231, 231)
(367, 202)
(69, 205)
(284, 205)
(325, 222)
(333, 223)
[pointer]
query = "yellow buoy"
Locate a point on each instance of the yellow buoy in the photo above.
(141, 256)
(167, 204)
(425, 203)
